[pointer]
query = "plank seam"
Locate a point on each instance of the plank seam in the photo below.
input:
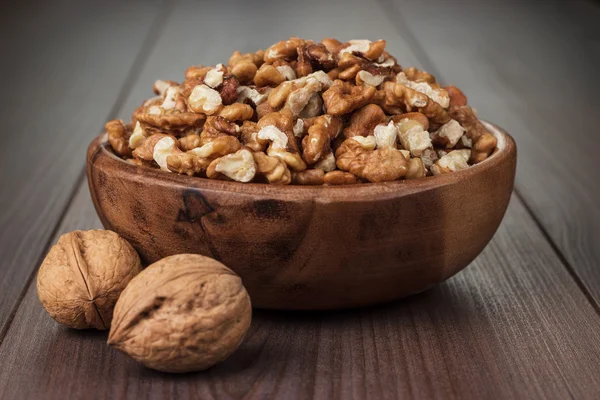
(559, 254)
(402, 29)
(45, 248)
(154, 31)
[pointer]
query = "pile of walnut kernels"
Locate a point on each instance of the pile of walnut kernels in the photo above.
(305, 113)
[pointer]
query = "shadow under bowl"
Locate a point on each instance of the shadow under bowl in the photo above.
(302, 247)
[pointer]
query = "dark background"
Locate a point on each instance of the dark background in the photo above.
(525, 312)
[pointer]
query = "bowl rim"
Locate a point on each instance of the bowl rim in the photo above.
(506, 150)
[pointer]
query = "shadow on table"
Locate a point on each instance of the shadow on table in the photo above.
(292, 340)
(281, 342)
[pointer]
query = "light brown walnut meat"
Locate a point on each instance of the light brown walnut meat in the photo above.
(204, 99)
(343, 97)
(229, 89)
(332, 45)
(302, 126)
(189, 142)
(303, 65)
(139, 134)
(263, 109)
(249, 137)
(276, 102)
(160, 86)
(366, 78)
(364, 121)
(252, 95)
(187, 163)
(279, 95)
(197, 72)
(483, 147)
(284, 122)
(429, 157)
(418, 75)
(172, 121)
(457, 97)
(286, 50)
(436, 114)
(239, 166)
(412, 132)
(451, 162)
(400, 98)
(357, 156)
(483, 142)
(349, 73)
(163, 149)
(293, 160)
(313, 108)
(237, 112)
(424, 83)
(326, 162)
(386, 98)
(416, 169)
(398, 94)
(384, 164)
(350, 65)
(318, 54)
(217, 126)
(268, 75)
(183, 313)
(317, 143)
(219, 147)
(295, 95)
(243, 66)
(308, 177)
(339, 178)
(369, 50)
(286, 69)
(353, 152)
(334, 74)
(145, 152)
(277, 129)
(448, 135)
(272, 169)
(415, 117)
(83, 275)
(442, 152)
(118, 137)
(198, 159)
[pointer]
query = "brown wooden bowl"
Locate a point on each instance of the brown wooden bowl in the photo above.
(299, 247)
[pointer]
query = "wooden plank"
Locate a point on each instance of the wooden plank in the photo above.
(512, 325)
(63, 64)
(531, 68)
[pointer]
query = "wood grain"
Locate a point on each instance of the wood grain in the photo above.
(62, 64)
(512, 325)
(538, 82)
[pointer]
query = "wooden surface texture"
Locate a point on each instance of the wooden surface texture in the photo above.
(520, 322)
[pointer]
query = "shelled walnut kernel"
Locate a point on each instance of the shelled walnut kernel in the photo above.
(291, 102)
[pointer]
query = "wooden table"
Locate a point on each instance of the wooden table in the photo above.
(521, 322)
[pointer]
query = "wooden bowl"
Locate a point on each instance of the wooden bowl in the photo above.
(299, 247)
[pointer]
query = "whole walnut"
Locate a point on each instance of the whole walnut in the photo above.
(183, 313)
(83, 275)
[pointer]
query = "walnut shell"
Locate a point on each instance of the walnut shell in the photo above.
(83, 275)
(183, 313)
